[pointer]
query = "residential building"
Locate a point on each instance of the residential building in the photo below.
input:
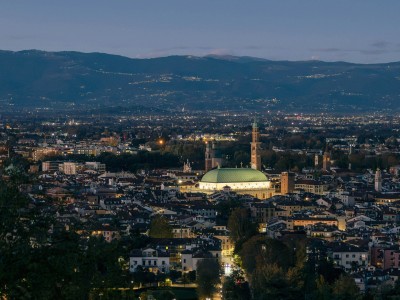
(150, 259)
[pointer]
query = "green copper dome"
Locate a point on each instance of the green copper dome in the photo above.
(233, 175)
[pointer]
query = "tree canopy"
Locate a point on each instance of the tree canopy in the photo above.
(208, 276)
(160, 228)
(42, 260)
(240, 225)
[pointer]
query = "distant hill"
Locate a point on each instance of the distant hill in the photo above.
(94, 80)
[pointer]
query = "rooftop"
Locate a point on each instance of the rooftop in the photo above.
(229, 175)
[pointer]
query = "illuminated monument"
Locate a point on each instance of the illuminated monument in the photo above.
(255, 147)
(249, 181)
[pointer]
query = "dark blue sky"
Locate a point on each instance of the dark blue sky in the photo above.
(351, 30)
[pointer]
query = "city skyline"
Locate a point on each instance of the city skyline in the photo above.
(357, 31)
(270, 169)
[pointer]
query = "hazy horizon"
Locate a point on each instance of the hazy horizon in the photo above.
(351, 31)
(221, 56)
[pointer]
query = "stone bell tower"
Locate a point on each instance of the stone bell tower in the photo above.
(255, 147)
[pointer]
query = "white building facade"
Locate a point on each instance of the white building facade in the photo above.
(151, 259)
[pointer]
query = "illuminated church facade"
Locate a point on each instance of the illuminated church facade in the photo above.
(250, 181)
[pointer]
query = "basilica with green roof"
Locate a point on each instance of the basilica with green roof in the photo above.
(249, 181)
(240, 180)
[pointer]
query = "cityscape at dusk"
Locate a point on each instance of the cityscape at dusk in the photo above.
(209, 150)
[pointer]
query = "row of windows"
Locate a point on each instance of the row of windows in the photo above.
(135, 262)
(269, 214)
(337, 256)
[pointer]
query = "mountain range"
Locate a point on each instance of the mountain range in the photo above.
(32, 78)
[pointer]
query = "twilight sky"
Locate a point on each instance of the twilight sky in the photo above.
(366, 31)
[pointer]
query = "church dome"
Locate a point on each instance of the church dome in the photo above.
(229, 175)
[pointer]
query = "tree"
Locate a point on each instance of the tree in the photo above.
(160, 228)
(386, 291)
(327, 269)
(259, 251)
(192, 276)
(241, 157)
(240, 225)
(235, 287)
(275, 268)
(39, 263)
(345, 288)
(268, 282)
(323, 291)
(166, 295)
(146, 295)
(174, 275)
(136, 240)
(142, 275)
(225, 208)
(16, 167)
(208, 276)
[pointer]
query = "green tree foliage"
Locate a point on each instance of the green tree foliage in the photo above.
(193, 151)
(136, 240)
(345, 288)
(147, 295)
(233, 290)
(269, 158)
(160, 228)
(323, 289)
(275, 268)
(16, 168)
(192, 276)
(62, 269)
(208, 276)
(259, 250)
(241, 158)
(142, 275)
(278, 269)
(269, 282)
(328, 271)
(240, 225)
(360, 161)
(386, 292)
(41, 260)
(166, 295)
(295, 141)
(174, 275)
(341, 158)
(283, 161)
(225, 208)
